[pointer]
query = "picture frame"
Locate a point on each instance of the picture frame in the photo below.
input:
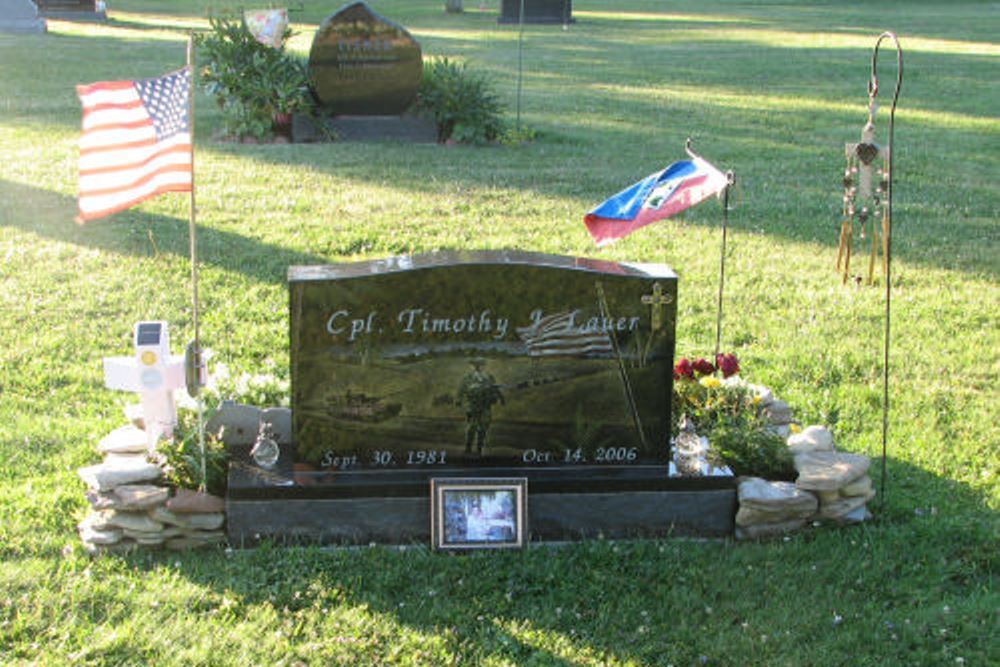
(479, 513)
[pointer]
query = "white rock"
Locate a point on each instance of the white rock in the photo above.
(239, 423)
(124, 439)
(104, 476)
(125, 458)
(859, 487)
(281, 423)
(764, 502)
(98, 520)
(829, 471)
(93, 536)
(137, 521)
(768, 529)
(840, 509)
(812, 439)
(133, 413)
(141, 496)
(778, 412)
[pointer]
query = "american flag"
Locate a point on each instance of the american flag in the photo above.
(555, 335)
(136, 142)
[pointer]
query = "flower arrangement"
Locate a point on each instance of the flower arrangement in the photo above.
(722, 406)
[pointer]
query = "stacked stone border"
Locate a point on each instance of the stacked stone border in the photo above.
(132, 507)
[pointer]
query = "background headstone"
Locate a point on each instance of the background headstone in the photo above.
(537, 11)
(363, 64)
(20, 16)
(86, 10)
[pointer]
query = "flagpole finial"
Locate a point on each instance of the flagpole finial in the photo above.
(688, 148)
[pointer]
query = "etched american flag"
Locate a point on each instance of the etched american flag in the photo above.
(556, 335)
(136, 142)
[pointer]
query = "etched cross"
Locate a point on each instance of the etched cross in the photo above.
(656, 301)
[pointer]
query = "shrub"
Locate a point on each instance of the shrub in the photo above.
(463, 105)
(252, 82)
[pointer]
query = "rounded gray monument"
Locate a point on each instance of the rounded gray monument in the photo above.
(363, 64)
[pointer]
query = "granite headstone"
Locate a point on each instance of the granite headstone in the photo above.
(477, 364)
(537, 11)
(482, 359)
(73, 10)
(363, 64)
(20, 16)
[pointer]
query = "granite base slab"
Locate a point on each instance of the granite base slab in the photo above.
(551, 517)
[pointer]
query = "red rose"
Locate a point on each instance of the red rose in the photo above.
(703, 367)
(683, 369)
(728, 364)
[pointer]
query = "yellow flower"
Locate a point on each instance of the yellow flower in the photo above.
(795, 428)
(710, 382)
(756, 400)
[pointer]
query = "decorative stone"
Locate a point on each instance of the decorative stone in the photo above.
(133, 413)
(189, 521)
(141, 496)
(184, 543)
(829, 471)
(163, 515)
(812, 439)
(778, 412)
(106, 500)
(828, 496)
(237, 422)
(758, 531)
(859, 487)
(764, 394)
(139, 535)
(20, 16)
(94, 536)
(188, 500)
(364, 64)
(123, 547)
(280, 420)
(124, 439)
(839, 509)
(762, 502)
(105, 476)
(125, 459)
(203, 521)
(138, 521)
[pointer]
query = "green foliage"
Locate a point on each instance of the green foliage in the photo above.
(463, 105)
(251, 82)
(751, 450)
(728, 412)
(182, 457)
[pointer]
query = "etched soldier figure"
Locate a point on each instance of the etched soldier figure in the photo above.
(477, 393)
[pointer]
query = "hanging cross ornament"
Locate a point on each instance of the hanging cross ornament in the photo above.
(866, 188)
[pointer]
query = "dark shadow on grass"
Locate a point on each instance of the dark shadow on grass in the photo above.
(621, 601)
(138, 234)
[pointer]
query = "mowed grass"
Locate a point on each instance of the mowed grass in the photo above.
(769, 90)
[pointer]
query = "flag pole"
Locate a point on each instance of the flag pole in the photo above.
(194, 359)
(730, 182)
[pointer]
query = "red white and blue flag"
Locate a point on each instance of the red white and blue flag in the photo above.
(681, 185)
(136, 142)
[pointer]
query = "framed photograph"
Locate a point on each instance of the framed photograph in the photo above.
(488, 513)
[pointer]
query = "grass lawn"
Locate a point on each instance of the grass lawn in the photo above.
(771, 90)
